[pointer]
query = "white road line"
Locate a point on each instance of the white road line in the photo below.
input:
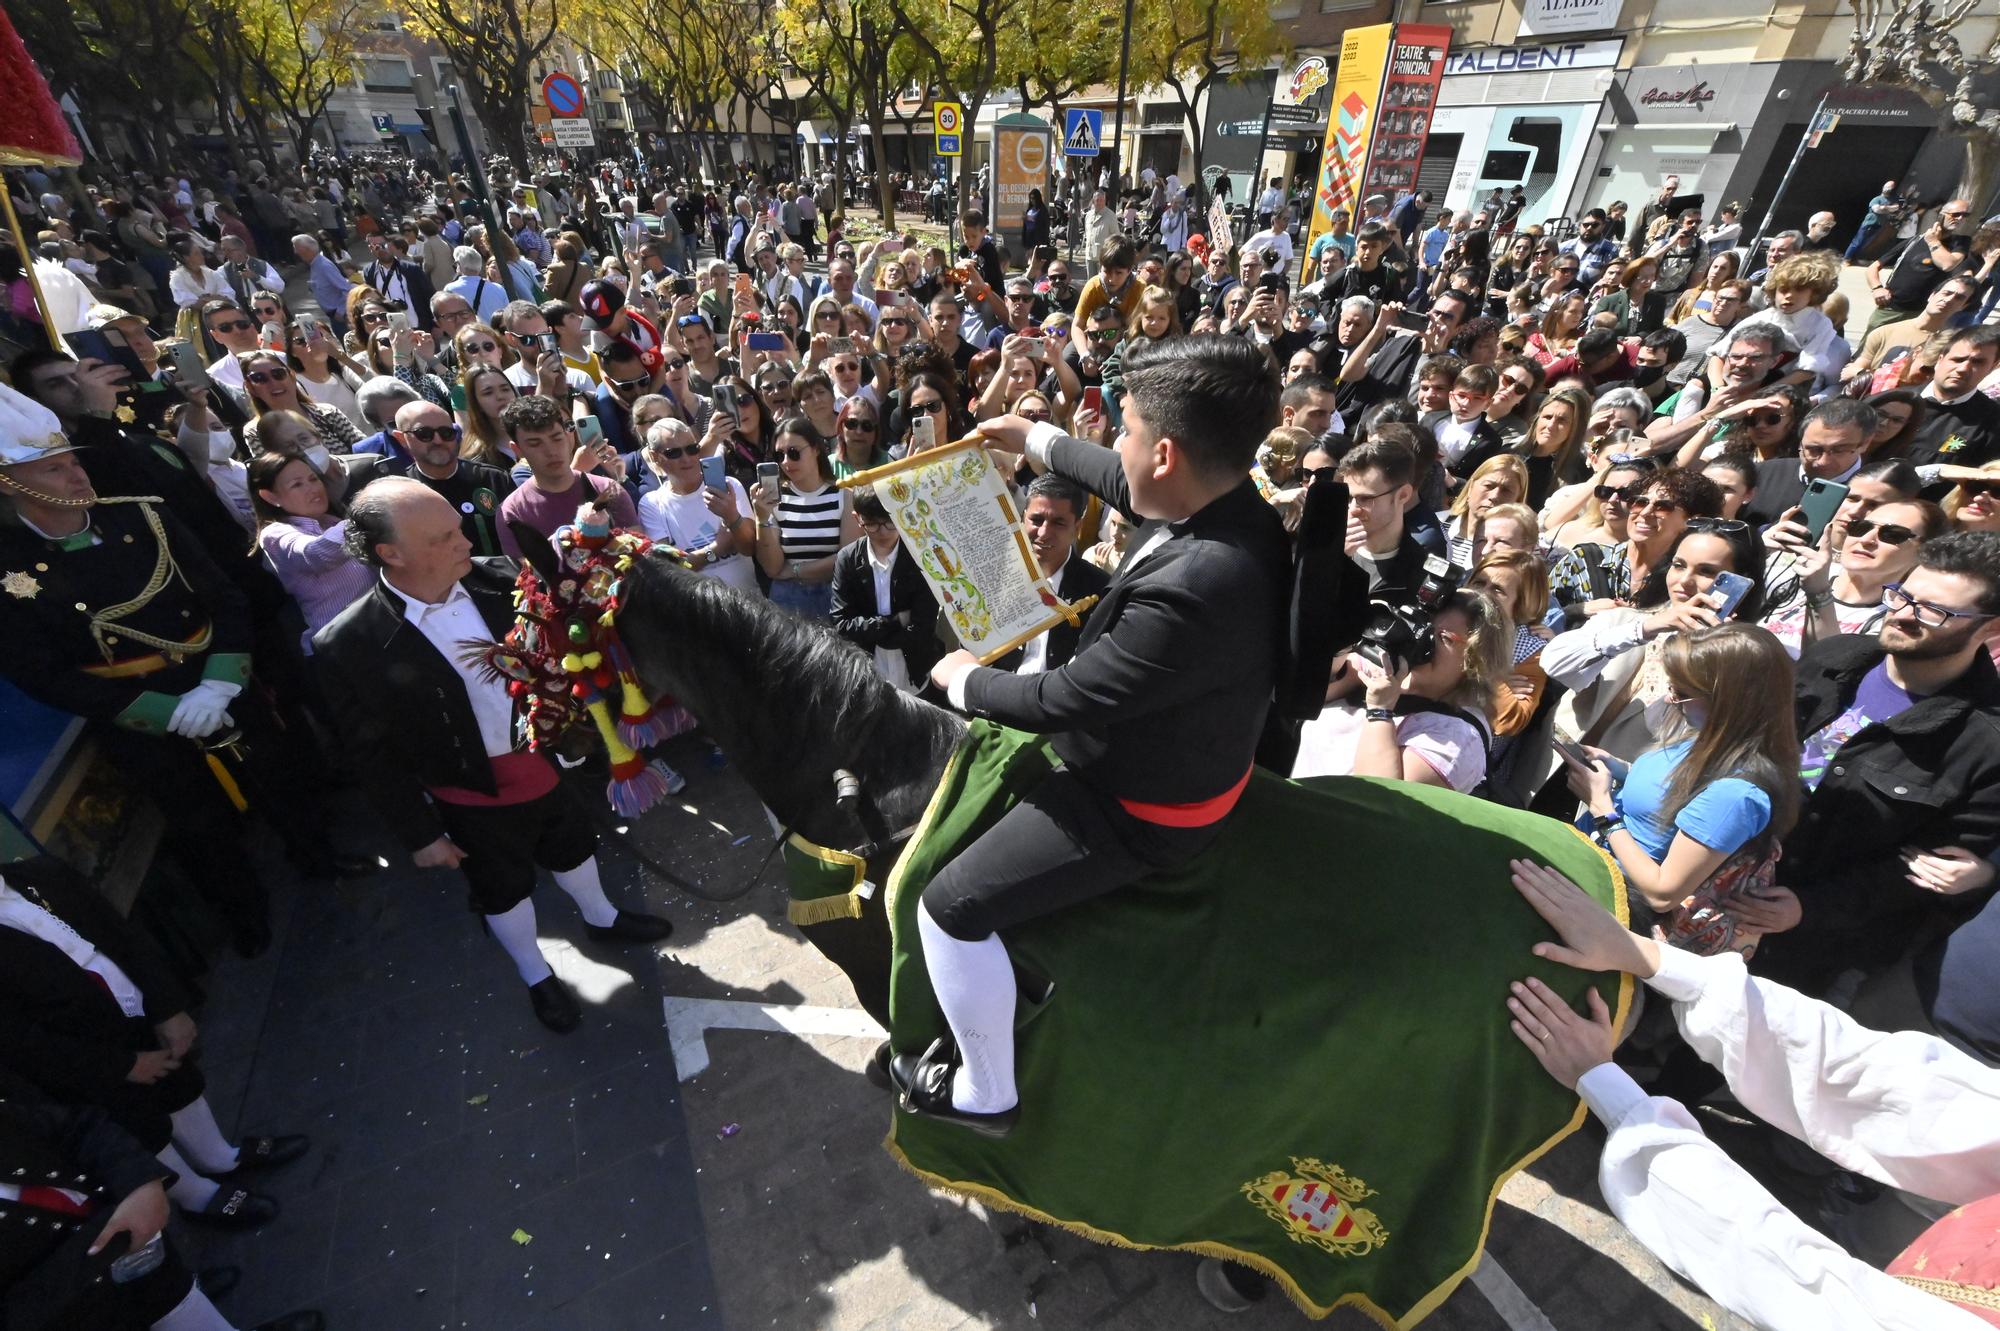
(1507, 1298)
(689, 1018)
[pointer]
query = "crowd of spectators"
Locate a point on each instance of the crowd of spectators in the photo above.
(1724, 578)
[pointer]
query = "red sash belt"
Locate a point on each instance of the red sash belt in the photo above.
(519, 777)
(1198, 814)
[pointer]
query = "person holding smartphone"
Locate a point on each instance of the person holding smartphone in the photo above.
(1841, 590)
(707, 521)
(1720, 783)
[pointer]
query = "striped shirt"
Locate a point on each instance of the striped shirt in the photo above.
(809, 524)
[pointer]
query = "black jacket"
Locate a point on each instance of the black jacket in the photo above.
(854, 616)
(1166, 695)
(45, 1142)
(1928, 777)
(1780, 486)
(1080, 578)
(401, 709)
(1486, 443)
(419, 283)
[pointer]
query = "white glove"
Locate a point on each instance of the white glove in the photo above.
(203, 709)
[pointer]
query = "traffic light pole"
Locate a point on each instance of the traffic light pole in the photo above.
(476, 170)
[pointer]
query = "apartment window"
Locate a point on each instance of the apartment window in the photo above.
(385, 74)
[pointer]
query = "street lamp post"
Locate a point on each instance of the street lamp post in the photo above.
(476, 173)
(1118, 114)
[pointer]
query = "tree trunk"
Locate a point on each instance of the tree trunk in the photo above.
(1982, 164)
(885, 188)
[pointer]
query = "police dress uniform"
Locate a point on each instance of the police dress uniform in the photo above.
(113, 624)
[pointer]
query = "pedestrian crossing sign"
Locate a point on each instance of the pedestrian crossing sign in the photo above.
(1083, 131)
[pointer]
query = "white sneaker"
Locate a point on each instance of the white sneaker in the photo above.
(676, 783)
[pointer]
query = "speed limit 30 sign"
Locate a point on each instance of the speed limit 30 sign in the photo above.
(950, 115)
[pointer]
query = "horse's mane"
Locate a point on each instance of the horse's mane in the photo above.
(785, 694)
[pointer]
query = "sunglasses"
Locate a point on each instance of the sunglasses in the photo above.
(267, 376)
(669, 454)
(1610, 493)
(1104, 334)
(844, 367)
(373, 316)
(1643, 504)
(1035, 415)
(827, 316)
(640, 382)
(1889, 533)
(896, 323)
(479, 348)
(926, 408)
(1719, 526)
(1967, 489)
(1764, 420)
(426, 433)
(789, 454)
(861, 423)
(232, 326)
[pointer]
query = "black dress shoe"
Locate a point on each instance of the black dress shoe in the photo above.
(257, 1153)
(928, 1093)
(630, 927)
(305, 1319)
(237, 1208)
(218, 1282)
(555, 1006)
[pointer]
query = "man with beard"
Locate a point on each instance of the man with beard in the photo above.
(1383, 367)
(1900, 750)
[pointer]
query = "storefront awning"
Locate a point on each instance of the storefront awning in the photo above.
(1668, 126)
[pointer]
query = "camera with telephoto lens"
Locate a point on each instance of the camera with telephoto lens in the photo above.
(1402, 633)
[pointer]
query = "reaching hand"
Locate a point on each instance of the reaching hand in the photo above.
(442, 853)
(1565, 1044)
(1771, 911)
(143, 1214)
(1592, 938)
(177, 1034)
(150, 1066)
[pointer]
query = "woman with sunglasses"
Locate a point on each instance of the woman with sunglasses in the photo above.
(292, 435)
(1842, 592)
(304, 541)
(322, 369)
(268, 378)
(928, 397)
(488, 390)
(857, 439)
(1721, 778)
(1974, 502)
(1765, 426)
(1610, 665)
(711, 526)
(823, 318)
(1595, 578)
(802, 522)
(743, 437)
(1595, 508)
(366, 309)
(479, 344)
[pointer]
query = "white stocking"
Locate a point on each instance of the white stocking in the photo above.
(515, 932)
(200, 1138)
(582, 885)
(190, 1190)
(193, 1313)
(974, 984)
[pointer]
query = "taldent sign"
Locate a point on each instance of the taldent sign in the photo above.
(1527, 59)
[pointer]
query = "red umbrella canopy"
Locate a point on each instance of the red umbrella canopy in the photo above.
(32, 129)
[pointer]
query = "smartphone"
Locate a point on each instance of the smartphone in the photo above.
(458, 397)
(108, 345)
(399, 321)
(189, 371)
(1572, 750)
(743, 283)
(768, 474)
(549, 342)
(765, 342)
(682, 286)
(923, 434)
(1820, 502)
(889, 245)
(273, 337)
(1272, 282)
(1093, 400)
(589, 431)
(1413, 320)
(725, 400)
(713, 475)
(1730, 588)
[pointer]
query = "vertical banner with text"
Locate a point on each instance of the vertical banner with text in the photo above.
(1350, 124)
(1021, 152)
(1409, 97)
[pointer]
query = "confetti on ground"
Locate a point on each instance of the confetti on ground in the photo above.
(523, 1237)
(479, 1099)
(739, 840)
(729, 1130)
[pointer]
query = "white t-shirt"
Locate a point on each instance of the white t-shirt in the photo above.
(684, 522)
(1453, 748)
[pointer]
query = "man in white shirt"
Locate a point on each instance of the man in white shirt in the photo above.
(1276, 241)
(1906, 1109)
(436, 739)
(1055, 509)
(486, 296)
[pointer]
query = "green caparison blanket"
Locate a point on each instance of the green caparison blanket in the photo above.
(1294, 1054)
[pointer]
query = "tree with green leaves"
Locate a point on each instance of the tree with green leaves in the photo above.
(290, 56)
(1189, 47)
